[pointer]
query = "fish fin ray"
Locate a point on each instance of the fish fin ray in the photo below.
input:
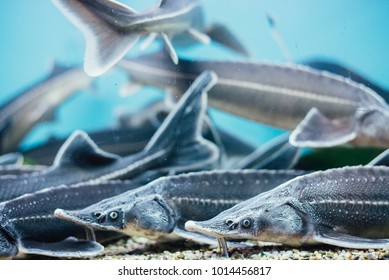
(70, 247)
(80, 150)
(169, 48)
(199, 36)
(332, 237)
(148, 41)
(381, 160)
(316, 130)
(221, 34)
(105, 45)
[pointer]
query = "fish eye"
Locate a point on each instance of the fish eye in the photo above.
(246, 223)
(113, 215)
(229, 222)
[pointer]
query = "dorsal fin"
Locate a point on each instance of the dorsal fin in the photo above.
(184, 119)
(180, 133)
(80, 150)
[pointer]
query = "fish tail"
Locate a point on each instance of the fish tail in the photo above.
(180, 133)
(106, 43)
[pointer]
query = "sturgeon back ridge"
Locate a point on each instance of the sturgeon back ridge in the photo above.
(279, 95)
(174, 200)
(347, 207)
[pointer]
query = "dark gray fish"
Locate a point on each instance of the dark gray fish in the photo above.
(327, 109)
(111, 28)
(346, 207)
(27, 223)
(37, 104)
(177, 146)
(160, 209)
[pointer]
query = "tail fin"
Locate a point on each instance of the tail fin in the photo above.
(181, 130)
(105, 43)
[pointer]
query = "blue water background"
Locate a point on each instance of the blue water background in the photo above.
(34, 34)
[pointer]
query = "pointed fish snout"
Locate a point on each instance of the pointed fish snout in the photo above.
(200, 227)
(191, 226)
(68, 216)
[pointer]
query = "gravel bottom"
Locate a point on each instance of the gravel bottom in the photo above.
(144, 249)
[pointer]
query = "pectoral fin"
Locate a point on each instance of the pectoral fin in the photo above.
(68, 248)
(316, 130)
(198, 36)
(170, 49)
(332, 237)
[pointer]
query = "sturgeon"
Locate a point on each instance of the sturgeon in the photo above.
(346, 207)
(37, 104)
(111, 28)
(27, 223)
(321, 108)
(160, 209)
(177, 146)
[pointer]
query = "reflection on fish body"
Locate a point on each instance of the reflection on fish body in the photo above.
(176, 146)
(111, 28)
(347, 207)
(327, 109)
(160, 209)
(37, 104)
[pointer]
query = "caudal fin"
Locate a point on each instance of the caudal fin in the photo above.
(105, 43)
(180, 133)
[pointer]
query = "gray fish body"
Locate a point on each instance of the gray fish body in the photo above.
(13, 186)
(162, 207)
(37, 104)
(177, 146)
(279, 95)
(347, 207)
(30, 218)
